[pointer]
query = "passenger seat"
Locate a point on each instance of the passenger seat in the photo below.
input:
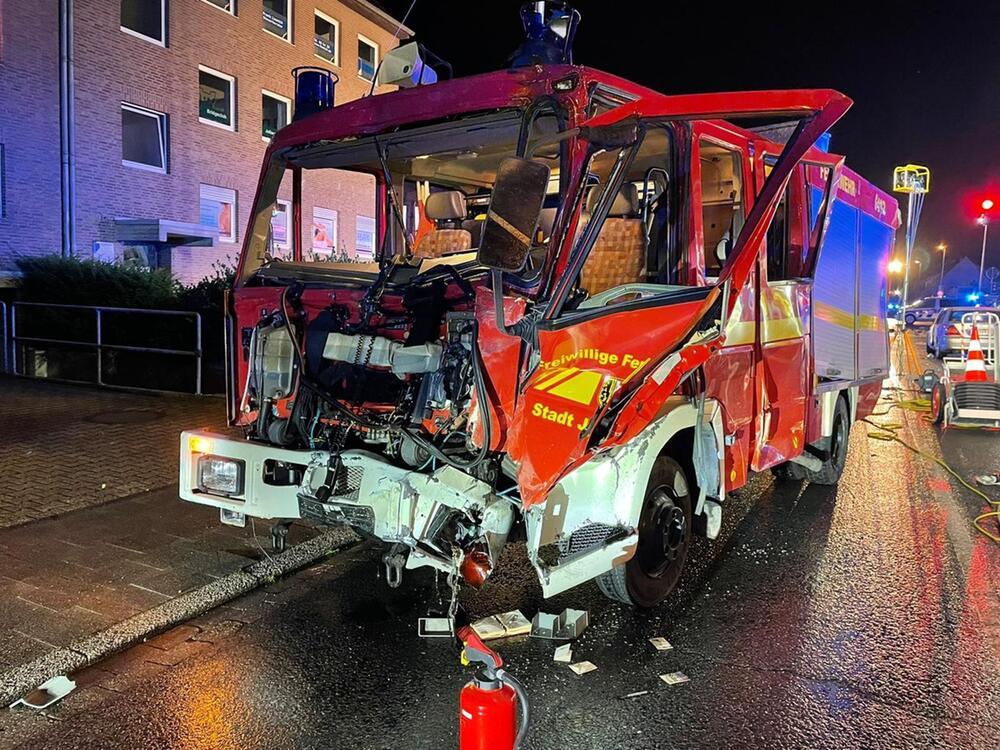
(618, 255)
(447, 210)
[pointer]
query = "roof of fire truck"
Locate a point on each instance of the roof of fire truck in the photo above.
(518, 87)
(487, 91)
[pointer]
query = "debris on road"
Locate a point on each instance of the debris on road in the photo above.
(49, 692)
(661, 644)
(582, 667)
(988, 479)
(637, 694)
(504, 625)
(563, 654)
(568, 625)
(435, 627)
(675, 678)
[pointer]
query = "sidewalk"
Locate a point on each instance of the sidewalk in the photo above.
(65, 447)
(66, 578)
(92, 532)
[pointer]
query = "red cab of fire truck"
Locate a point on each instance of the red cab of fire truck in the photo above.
(587, 311)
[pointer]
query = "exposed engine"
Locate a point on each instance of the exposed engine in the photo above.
(382, 396)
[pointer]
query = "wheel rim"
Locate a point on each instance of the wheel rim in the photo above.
(663, 533)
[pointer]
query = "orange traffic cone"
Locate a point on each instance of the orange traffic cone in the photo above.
(975, 366)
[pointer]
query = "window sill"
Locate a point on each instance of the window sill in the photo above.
(222, 10)
(219, 125)
(143, 167)
(334, 63)
(137, 35)
(277, 36)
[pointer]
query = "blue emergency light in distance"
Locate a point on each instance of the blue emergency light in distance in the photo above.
(314, 90)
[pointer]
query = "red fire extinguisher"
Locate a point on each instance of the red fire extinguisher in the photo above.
(488, 703)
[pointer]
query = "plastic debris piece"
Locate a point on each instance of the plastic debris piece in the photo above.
(49, 692)
(637, 694)
(661, 644)
(675, 678)
(988, 479)
(435, 627)
(582, 667)
(564, 653)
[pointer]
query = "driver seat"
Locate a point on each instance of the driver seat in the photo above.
(447, 209)
(619, 253)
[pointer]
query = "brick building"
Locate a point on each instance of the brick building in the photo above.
(173, 102)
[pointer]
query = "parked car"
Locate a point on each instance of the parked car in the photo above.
(925, 310)
(949, 334)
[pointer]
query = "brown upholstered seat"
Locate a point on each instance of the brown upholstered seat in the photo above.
(447, 210)
(618, 255)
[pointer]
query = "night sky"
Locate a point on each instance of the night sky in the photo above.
(925, 83)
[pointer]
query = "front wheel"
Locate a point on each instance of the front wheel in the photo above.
(664, 538)
(910, 319)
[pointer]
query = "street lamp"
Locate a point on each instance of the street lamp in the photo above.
(944, 251)
(984, 222)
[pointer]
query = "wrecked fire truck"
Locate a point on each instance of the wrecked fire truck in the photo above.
(588, 312)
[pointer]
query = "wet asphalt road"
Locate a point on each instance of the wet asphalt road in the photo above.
(862, 616)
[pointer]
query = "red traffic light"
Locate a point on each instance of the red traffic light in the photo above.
(987, 204)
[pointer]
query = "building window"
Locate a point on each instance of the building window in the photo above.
(274, 113)
(364, 238)
(281, 221)
(367, 58)
(218, 210)
(278, 18)
(144, 138)
(146, 19)
(227, 5)
(324, 244)
(216, 98)
(326, 40)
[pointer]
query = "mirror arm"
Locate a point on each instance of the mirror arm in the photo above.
(525, 327)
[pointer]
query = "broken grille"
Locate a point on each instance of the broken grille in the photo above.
(587, 537)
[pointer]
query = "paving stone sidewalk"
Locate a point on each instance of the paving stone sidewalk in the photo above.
(65, 447)
(92, 530)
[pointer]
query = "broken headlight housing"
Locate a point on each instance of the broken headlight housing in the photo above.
(220, 475)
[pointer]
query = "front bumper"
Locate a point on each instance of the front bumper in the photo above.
(370, 494)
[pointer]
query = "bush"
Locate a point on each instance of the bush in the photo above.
(71, 281)
(207, 294)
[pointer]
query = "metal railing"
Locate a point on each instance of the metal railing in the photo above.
(3, 337)
(99, 345)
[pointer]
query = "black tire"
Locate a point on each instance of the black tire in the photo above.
(833, 466)
(665, 528)
(937, 403)
(909, 319)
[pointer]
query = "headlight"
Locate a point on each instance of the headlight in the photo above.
(221, 476)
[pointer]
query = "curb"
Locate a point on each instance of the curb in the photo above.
(21, 679)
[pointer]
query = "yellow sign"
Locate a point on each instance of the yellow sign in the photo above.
(571, 383)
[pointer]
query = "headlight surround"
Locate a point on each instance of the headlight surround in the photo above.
(220, 475)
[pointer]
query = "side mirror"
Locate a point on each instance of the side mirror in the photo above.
(512, 218)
